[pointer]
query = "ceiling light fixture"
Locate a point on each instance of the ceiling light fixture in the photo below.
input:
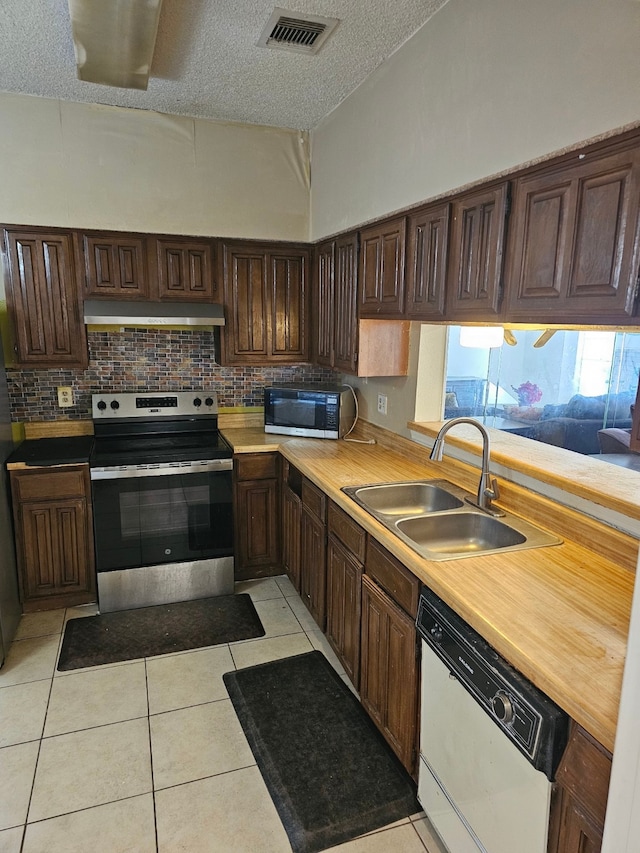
(114, 40)
(481, 337)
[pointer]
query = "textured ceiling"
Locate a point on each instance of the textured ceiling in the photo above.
(206, 63)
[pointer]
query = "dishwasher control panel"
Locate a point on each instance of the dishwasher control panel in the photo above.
(530, 719)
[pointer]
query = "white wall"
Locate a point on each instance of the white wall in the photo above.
(482, 87)
(622, 826)
(91, 166)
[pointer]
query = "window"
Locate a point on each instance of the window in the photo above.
(560, 387)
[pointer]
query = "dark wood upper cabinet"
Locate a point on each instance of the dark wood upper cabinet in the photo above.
(323, 315)
(335, 306)
(265, 294)
(366, 347)
(287, 295)
(345, 304)
(186, 269)
(44, 299)
(245, 287)
(427, 244)
(573, 256)
(382, 260)
(476, 250)
(115, 265)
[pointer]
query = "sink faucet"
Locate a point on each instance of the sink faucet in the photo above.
(487, 488)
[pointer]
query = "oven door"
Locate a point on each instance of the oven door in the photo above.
(165, 514)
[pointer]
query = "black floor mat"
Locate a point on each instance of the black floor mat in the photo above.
(158, 630)
(330, 773)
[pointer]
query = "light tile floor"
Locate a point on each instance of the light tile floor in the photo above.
(148, 756)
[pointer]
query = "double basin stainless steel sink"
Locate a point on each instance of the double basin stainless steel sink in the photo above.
(435, 519)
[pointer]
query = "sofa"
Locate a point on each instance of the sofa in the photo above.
(575, 425)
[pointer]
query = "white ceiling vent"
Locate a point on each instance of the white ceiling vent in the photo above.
(287, 30)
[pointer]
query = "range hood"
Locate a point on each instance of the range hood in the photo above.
(124, 313)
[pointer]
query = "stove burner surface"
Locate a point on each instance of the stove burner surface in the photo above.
(150, 449)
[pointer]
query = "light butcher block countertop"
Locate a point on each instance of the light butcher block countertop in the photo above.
(559, 614)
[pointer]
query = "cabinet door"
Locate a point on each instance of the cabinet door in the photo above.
(313, 573)
(474, 268)
(578, 833)
(257, 552)
(186, 270)
(245, 287)
(115, 265)
(344, 595)
(389, 672)
(574, 230)
(291, 520)
(288, 327)
(54, 537)
(580, 798)
(428, 236)
(266, 299)
(345, 298)
(382, 269)
(44, 300)
(322, 319)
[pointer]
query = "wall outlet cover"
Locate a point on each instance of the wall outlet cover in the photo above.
(65, 396)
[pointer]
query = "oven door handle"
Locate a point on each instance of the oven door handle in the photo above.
(125, 471)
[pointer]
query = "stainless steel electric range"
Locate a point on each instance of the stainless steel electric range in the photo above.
(162, 499)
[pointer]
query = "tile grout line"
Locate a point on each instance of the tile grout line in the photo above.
(44, 723)
(153, 784)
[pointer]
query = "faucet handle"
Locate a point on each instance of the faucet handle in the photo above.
(492, 491)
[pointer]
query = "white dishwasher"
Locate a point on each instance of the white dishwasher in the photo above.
(490, 741)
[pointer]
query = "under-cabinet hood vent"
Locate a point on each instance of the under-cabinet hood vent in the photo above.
(121, 313)
(286, 31)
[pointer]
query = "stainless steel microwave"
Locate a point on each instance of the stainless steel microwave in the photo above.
(310, 411)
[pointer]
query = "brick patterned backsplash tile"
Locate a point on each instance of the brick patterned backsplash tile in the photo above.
(146, 360)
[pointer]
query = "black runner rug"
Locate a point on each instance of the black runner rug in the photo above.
(330, 773)
(158, 630)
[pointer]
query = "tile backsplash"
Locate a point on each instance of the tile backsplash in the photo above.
(146, 360)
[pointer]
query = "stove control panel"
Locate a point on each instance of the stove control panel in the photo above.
(149, 405)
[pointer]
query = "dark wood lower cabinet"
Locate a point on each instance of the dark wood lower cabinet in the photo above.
(389, 672)
(344, 596)
(580, 796)
(291, 521)
(313, 572)
(54, 537)
(257, 516)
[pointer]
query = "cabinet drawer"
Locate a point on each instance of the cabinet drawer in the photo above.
(392, 576)
(49, 485)
(347, 531)
(314, 500)
(256, 466)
